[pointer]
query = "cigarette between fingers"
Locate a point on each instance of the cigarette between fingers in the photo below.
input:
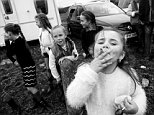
(123, 109)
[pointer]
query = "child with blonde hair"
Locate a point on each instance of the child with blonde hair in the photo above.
(64, 48)
(46, 40)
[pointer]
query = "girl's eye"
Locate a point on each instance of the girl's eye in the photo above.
(101, 41)
(113, 43)
(55, 36)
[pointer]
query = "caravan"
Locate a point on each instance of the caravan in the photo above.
(23, 12)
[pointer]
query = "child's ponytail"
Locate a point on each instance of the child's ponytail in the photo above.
(18, 29)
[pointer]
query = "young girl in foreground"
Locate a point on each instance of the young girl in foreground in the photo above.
(107, 85)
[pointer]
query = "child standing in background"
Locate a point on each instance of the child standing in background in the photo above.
(24, 58)
(137, 24)
(64, 48)
(45, 39)
(90, 29)
(107, 85)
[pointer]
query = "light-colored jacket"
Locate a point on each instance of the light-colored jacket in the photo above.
(98, 91)
(45, 39)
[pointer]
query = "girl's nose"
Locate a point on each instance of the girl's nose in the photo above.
(58, 37)
(105, 48)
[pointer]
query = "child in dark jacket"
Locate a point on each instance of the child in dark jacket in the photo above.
(20, 49)
(88, 32)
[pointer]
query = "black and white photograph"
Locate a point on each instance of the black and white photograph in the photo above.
(76, 57)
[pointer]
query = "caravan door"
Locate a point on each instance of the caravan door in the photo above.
(9, 12)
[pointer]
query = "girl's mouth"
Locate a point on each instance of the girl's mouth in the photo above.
(103, 50)
(60, 42)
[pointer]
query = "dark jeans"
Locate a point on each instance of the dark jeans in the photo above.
(148, 38)
(140, 33)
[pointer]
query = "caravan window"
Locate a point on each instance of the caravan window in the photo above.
(41, 6)
(7, 6)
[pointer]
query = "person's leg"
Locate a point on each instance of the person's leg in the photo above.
(142, 35)
(29, 76)
(140, 32)
(46, 60)
(52, 84)
(14, 106)
(148, 32)
(49, 74)
(38, 99)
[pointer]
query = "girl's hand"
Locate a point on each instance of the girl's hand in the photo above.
(101, 61)
(61, 60)
(42, 50)
(16, 63)
(58, 80)
(136, 12)
(127, 106)
(130, 106)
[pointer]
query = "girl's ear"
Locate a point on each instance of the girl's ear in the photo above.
(122, 56)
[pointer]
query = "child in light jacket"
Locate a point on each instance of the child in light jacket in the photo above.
(46, 40)
(107, 85)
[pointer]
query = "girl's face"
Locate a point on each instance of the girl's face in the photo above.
(9, 36)
(59, 36)
(84, 22)
(110, 41)
(38, 23)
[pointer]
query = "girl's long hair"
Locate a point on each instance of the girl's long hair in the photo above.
(44, 20)
(124, 63)
(89, 17)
